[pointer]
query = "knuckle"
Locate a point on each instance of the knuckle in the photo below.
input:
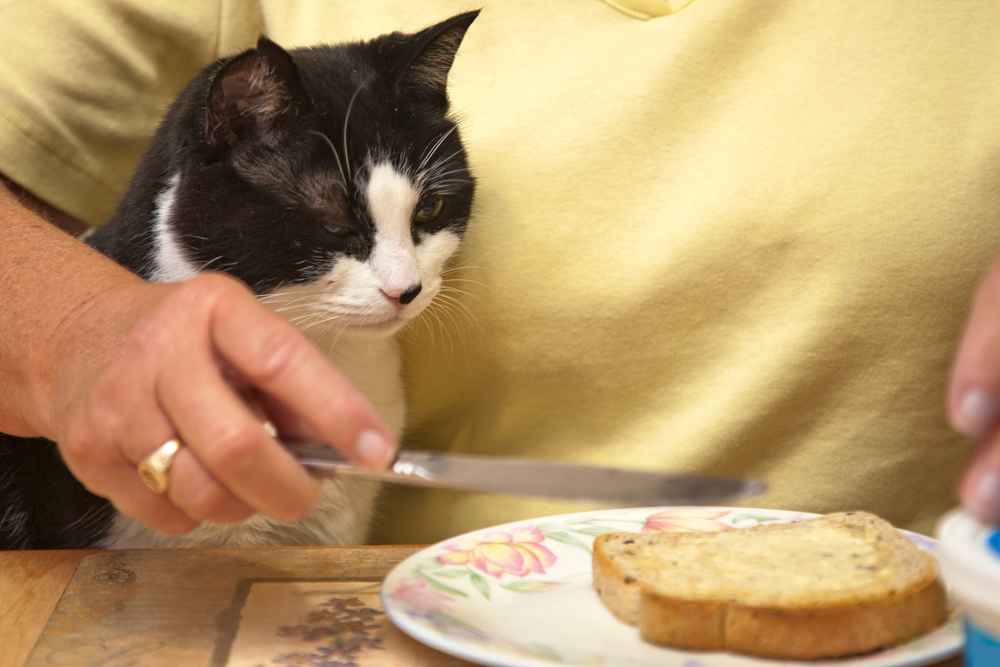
(279, 351)
(348, 414)
(231, 449)
(76, 444)
(148, 336)
(210, 286)
(82, 447)
(296, 511)
(104, 389)
(234, 513)
(209, 502)
(161, 518)
(176, 525)
(105, 415)
(355, 412)
(300, 505)
(308, 505)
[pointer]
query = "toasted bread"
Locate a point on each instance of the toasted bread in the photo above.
(827, 587)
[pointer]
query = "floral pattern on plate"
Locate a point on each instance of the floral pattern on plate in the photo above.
(520, 595)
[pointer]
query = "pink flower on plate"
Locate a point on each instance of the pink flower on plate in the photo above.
(518, 552)
(686, 521)
(419, 595)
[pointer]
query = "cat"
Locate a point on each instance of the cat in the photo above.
(333, 182)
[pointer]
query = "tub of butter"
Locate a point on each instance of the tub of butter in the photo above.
(970, 564)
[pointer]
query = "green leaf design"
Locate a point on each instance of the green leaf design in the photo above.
(480, 583)
(530, 586)
(757, 519)
(566, 538)
(538, 650)
(450, 574)
(444, 588)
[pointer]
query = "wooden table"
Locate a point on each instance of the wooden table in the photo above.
(183, 608)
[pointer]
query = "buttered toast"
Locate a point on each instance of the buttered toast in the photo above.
(826, 587)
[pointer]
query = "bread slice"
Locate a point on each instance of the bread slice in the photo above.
(827, 587)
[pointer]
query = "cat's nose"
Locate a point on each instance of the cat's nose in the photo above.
(404, 296)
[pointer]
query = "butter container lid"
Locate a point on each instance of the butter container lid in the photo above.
(970, 562)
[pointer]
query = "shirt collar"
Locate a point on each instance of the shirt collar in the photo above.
(648, 9)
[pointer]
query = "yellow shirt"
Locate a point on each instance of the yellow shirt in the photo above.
(712, 235)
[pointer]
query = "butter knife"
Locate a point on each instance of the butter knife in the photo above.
(532, 477)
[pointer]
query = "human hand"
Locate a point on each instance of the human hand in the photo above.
(144, 363)
(974, 399)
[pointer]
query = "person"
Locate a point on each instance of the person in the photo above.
(730, 237)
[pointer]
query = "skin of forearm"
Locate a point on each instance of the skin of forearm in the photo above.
(49, 280)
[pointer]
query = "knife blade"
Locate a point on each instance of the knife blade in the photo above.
(532, 477)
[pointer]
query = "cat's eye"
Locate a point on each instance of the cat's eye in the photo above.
(341, 232)
(429, 208)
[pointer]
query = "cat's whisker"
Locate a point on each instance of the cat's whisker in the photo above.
(439, 307)
(451, 289)
(336, 337)
(282, 293)
(346, 325)
(440, 182)
(455, 175)
(463, 310)
(316, 323)
(446, 305)
(283, 306)
(311, 315)
(422, 321)
(457, 299)
(453, 319)
(460, 308)
(452, 279)
(460, 267)
(457, 170)
(340, 167)
(347, 120)
(307, 325)
(209, 263)
(446, 335)
(434, 149)
(448, 187)
(432, 313)
(442, 163)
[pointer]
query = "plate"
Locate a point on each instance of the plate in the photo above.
(520, 595)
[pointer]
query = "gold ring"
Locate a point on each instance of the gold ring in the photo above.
(155, 468)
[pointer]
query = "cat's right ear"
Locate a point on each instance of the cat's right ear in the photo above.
(255, 93)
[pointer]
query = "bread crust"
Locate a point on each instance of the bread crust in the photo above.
(805, 627)
(801, 634)
(619, 595)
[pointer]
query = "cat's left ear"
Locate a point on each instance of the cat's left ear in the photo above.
(254, 93)
(431, 54)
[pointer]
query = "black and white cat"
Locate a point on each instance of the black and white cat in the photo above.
(332, 182)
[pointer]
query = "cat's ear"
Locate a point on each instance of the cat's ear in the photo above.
(431, 52)
(255, 93)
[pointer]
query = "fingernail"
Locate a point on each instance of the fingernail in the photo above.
(985, 500)
(373, 448)
(977, 413)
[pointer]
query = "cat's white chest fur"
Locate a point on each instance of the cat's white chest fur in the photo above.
(374, 367)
